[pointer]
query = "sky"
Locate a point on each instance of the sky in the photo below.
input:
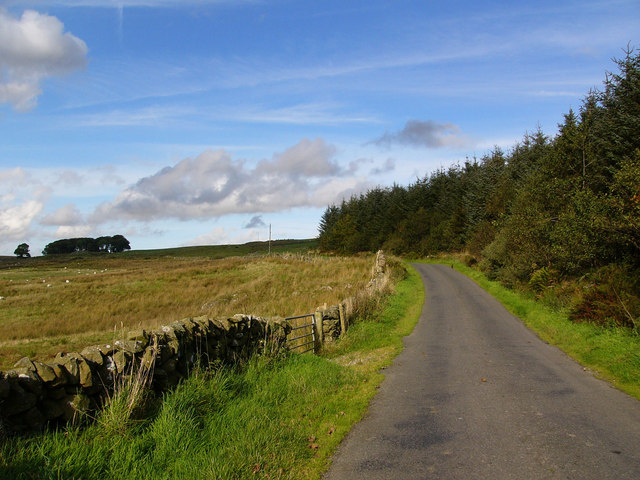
(200, 122)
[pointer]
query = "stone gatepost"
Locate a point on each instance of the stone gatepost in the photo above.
(343, 319)
(318, 330)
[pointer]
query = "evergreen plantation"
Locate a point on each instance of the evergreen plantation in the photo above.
(559, 216)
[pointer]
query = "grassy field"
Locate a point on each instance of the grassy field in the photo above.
(613, 353)
(278, 418)
(66, 303)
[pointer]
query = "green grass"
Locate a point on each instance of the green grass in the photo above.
(71, 301)
(279, 417)
(612, 353)
(224, 251)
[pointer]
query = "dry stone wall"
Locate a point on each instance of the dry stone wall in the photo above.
(35, 394)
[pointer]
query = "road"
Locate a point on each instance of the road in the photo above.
(476, 395)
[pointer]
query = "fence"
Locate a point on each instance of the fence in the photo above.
(303, 336)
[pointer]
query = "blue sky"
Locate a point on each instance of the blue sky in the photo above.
(202, 122)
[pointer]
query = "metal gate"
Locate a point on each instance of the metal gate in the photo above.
(306, 341)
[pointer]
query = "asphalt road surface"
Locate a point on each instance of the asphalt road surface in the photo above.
(476, 395)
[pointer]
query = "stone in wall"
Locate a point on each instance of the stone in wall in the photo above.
(34, 394)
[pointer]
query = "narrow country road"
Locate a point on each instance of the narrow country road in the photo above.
(476, 395)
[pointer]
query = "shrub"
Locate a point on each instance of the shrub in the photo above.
(612, 299)
(540, 280)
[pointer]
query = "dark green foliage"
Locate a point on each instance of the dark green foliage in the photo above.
(540, 279)
(114, 244)
(570, 204)
(22, 250)
(611, 298)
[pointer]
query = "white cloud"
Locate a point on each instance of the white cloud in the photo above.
(225, 236)
(108, 175)
(14, 176)
(426, 133)
(147, 116)
(66, 231)
(68, 216)
(306, 158)
(32, 48)
(16, 220)
(217, 236)
(301, 114)
(22, 201)
(214, 184)
(69, 177)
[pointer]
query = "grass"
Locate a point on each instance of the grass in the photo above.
(277, 418)
(66, 303)
(613, 353)
(225, 251)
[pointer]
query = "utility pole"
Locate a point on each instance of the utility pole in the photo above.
(269, 239)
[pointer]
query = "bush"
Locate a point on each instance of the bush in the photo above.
(612, 299)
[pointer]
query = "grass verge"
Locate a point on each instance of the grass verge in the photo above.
(277, 418)
(613, 353)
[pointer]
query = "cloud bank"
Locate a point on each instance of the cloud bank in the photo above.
(214, 184)
(33, 48)
(426, 133)
(68, 216)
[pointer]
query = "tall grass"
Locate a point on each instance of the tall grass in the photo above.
(53, 306)
(279, 417)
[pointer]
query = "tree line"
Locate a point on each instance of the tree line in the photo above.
(114, 244)
(546, 212)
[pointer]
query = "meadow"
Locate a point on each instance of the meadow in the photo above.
(278, 417)
(68, 302)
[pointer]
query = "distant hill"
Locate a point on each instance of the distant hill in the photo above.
(210, 251)
(223, 251)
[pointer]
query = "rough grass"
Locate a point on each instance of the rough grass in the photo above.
(278, 418)
(66, 304)
(613, 353)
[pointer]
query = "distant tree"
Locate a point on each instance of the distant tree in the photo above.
(64, 245)
(119, 244)
(104, 243)
(22, 250)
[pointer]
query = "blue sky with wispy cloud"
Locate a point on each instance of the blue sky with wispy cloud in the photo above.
(198, 122)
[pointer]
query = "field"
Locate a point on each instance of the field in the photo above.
(68, 302)
(278, 417)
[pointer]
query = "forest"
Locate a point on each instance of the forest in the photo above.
(558, 216)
